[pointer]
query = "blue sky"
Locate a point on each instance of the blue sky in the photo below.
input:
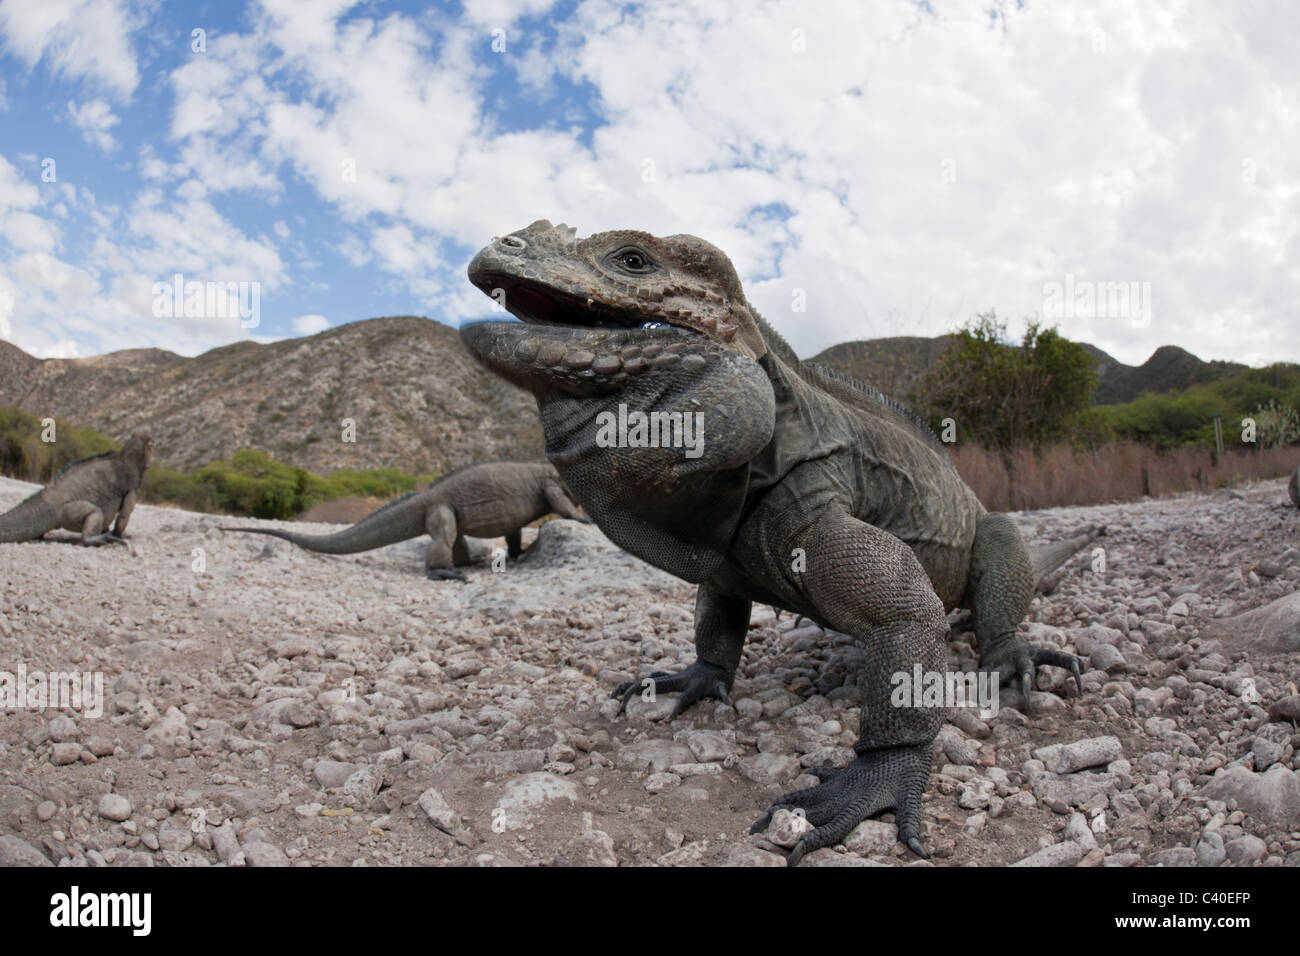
(1126, 172)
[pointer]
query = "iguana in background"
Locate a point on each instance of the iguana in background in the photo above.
(809, 492)
(485, 500)
(86, 496)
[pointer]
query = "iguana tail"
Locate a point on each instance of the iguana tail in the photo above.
(1046, 558)
(28, 520)
(396, 521)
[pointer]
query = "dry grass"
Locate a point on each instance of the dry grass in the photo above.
(1123, 471)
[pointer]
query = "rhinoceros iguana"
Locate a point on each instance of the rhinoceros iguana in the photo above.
(759, 478)
(86, 496)
(485, 500)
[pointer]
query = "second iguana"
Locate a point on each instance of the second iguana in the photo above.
(484, 500)
(88, 496)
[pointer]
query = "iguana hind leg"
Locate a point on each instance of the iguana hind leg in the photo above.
(721, 624)
(999, 590)
(86, 518)
(444, 543)
(867, 583)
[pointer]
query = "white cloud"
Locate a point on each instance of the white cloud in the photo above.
(928, 165)
(62, 349)
(106, 301)
(29, 233)
(310, 324)
(152, 166)
(94, 118)
(79, 39)
(6, 311)
(488, 15)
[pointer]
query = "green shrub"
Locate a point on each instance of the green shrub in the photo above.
(255, 484)
(25, 456)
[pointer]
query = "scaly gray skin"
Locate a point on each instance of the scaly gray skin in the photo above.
(86, 496)
(485, 500)
(813, 493)
(1294, 488)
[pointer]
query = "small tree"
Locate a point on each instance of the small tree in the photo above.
(1007, 397)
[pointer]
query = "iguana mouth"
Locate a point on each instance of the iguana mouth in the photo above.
(546, 306)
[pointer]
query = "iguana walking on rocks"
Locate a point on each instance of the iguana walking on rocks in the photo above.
(808, 491)
(485, 500)
(86, 496)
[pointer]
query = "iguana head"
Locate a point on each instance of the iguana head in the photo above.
(644, 357)
(139, 450)
(624, 279)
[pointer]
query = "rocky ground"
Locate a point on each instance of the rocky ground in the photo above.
(265, 705)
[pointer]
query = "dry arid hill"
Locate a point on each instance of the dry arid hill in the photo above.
(420, 402)
(890, 364)
(893, 365)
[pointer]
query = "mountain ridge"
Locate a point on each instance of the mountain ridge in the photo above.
(416, 398)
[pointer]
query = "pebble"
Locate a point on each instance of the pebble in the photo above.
(17, 852)
(1092, 752)
(787, 828)
(439, 812)
(1209, 849)
(1245, 850)
(264, 854)
(1059, 854)
(659, 782)
(1175, 856)
(114, 806)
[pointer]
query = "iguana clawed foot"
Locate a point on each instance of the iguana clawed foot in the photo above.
(876, 781)
(695, 683)
(1016, 658)
(106, 538)
(445, 574)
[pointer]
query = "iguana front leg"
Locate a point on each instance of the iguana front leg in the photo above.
(124, 515)
(721, 624)
(867, 583)
(999, 592)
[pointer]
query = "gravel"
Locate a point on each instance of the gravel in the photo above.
(282, 707)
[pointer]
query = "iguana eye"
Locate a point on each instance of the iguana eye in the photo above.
(633, 260)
